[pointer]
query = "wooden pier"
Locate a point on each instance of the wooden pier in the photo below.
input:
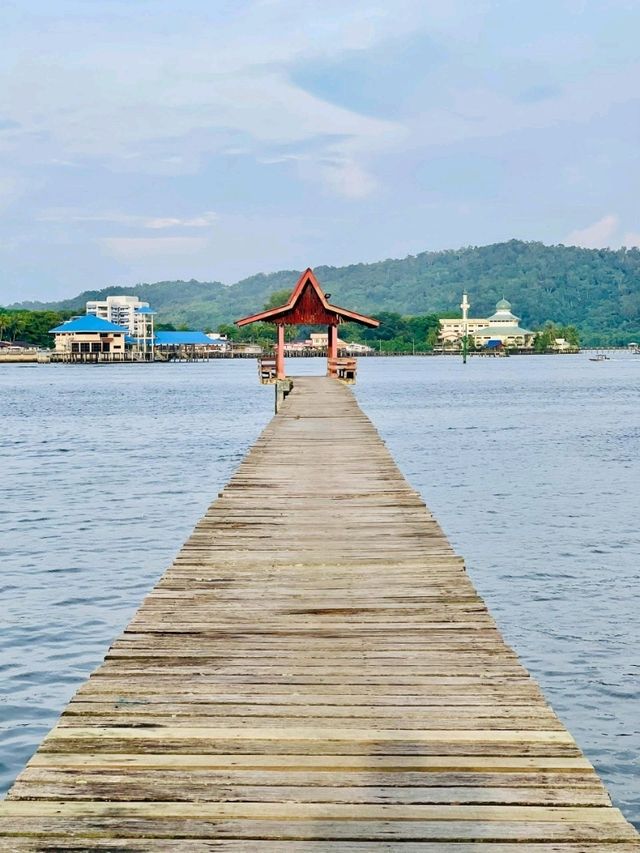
(315, 672)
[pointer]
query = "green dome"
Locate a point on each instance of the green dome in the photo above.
(503, 305)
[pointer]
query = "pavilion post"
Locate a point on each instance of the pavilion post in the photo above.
(280, 370)
(332, 346)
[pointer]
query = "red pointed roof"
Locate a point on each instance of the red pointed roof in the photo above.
(308, 305)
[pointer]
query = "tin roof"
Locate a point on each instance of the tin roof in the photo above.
(87, 324)
(177, 339)
(501, 332)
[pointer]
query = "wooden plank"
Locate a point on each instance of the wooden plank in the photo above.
(285, 846)
(302, 734)
(119, 825)
(186, 787)
(340, 762)
(310, 811)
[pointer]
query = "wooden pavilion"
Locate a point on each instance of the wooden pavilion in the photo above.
(309, 305)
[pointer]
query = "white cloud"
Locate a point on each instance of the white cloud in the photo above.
(347, 178)
(162, 102)
(341, 175)
(125, 96)
(236, 247)
(154, 223)
(215, 82)
(202, 221)
(598, 235)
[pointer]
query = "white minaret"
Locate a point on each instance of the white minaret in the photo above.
(465, 326)
(465, 305)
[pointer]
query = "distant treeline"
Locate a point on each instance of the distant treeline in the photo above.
(396, 333)
(595, 290)
(30, 327)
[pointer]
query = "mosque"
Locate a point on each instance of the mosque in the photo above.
(501, 328)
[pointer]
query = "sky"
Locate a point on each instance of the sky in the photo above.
(146, 140)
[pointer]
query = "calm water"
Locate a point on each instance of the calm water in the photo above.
(532, 466)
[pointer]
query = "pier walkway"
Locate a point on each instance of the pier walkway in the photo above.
(315, 672)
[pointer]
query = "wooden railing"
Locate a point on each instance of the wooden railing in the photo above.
(343, 368)
(267, 371)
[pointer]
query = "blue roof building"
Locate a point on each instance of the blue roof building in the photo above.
(89, 339)
(181, 339)
(93, 338)
(88, 324)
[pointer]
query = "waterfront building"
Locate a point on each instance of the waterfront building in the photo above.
(319, 342)
(143, 341)
(127, 311)
(452, 329)
(247, 349)
(563, 345)
(89, 338)
(135, 316)
(92, 338)
(219, 342)
(15, 346)
(502, 327)
(186, 345)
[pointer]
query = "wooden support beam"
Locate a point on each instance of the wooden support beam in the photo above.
(332, 348)
(280, 368)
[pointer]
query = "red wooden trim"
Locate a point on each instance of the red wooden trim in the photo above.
(281, 313)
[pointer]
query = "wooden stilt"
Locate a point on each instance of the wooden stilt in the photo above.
(332, 348)
(280, 368)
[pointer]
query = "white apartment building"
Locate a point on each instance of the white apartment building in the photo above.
(123, 311)
(130, 313)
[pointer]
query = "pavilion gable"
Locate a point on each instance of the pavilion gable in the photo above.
(308, 305)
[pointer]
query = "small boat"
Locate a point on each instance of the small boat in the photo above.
(600, 356)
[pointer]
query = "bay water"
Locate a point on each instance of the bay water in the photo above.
(531, 465)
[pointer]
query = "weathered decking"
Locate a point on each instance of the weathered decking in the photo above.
(314, 673)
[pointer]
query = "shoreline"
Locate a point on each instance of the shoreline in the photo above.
(45, 358)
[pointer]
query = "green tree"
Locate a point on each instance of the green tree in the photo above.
(545, 338)
(276, 299)
(571, 335)
(32, 327)
(432, 337)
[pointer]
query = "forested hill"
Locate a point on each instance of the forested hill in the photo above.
(596, 290)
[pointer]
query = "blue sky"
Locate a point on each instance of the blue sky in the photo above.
(156, 139)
